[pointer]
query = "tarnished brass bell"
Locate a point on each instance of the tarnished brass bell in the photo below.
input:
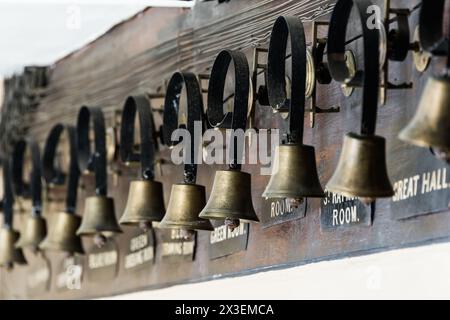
(230, 199)
(145, 203)
(362, 171)
(33, 233)
(185, 203)
(9, 254)
(62, 234)
(294, 173)
(430, 126)
(99, 217)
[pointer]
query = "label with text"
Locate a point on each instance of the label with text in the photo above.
(140, 250)
(223, 241)
(421, 193)
(277, 211)
(102, 262)
(337, 211)
(174, 246)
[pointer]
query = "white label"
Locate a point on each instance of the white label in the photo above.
(420, 184)
(137, 258)
(103, 259)
(223, 233)
(177, 248)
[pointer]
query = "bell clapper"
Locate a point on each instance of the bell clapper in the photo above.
(232, 223)
(145, 225)
(367, 201)
(100, 240)
(187, 234)
(441, 154)
(296, 202)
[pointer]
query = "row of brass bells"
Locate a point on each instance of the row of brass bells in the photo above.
(294, 174)
(361, 170)
(145, 204)
(185, 203)
(62, 235)
(230, 199)
(430, 126)
(99, 218)
(33, 233)
(9, 253)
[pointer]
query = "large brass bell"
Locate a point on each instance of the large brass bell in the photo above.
(9, 253)
(294, 173)
(99, 217)
(62, 235)
(185, 203)
(145, 203)
(230, 199)
(362, 171)
(33, 233)
(430, 126)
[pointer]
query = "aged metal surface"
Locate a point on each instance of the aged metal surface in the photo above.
(140, 55)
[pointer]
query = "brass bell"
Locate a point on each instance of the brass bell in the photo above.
(33, 233)
(99, 217)
(145, 203)
(62, 234)
(230, 199)
(430, 126)
(361, 170)
(9, 253)
(185, 203)
(294, 174)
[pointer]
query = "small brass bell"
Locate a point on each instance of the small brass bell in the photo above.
(430, 126)
(185, 203)
(362, 171)
(99, 217)
(9, 254)
(62, 234)
(145, 203)
(230, 199)
(34, 232)
(294, 173)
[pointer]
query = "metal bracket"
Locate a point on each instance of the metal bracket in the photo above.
(258, 94)
(396, 46)
(317, 74)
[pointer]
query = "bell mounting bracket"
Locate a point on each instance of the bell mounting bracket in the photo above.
(397, 45)
(319, 74)
(18, 160)
(237, 118)
(367, 78)
(138, 106)
(93, 160)
(54, 175)
(192, 113)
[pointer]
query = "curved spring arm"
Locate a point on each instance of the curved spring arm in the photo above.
(369, 76)
(431, 34)
(35, 188)
(284, 28)
(141, 106)
(8, 197)
(88, 160)
(52, 174)
(237, 119)
(194, 114)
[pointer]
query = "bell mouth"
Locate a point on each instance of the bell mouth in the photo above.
(201, 225)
